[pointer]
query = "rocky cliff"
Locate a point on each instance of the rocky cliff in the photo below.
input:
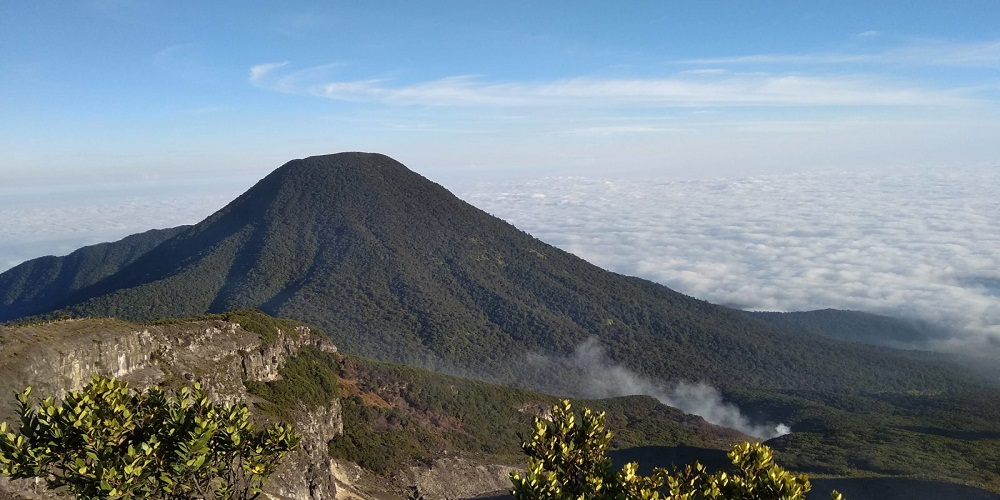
(54, 357)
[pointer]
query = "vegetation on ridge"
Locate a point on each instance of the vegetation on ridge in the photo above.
(396, 415)
(40, 284)
(854, 326)
(308, 381)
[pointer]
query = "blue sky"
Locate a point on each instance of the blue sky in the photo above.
(119, 89)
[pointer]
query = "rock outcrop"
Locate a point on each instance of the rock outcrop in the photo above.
(457, 478)
(59, 356)
(307, 473)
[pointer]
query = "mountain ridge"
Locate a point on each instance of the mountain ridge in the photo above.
(396, 267)
(50, 280)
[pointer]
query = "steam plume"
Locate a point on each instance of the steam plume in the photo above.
(600, 377)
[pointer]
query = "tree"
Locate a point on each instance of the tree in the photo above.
(567, 459)
(110, 441)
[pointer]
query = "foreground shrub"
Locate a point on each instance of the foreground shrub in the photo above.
(567, 459)
(110, 441)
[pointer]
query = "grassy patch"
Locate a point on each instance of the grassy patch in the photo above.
(309, 379)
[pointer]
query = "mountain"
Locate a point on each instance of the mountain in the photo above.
(41, 283)
(855, 326)
(395, 267)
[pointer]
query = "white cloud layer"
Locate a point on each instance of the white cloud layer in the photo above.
(918, 243)
(59, 220)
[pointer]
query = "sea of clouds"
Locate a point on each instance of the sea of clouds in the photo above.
(58, 219)
(917, 243)
(912, 243)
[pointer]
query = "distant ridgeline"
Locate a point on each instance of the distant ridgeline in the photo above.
(855, 326)
(394, 267)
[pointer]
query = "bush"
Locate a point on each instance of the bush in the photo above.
(109, 441)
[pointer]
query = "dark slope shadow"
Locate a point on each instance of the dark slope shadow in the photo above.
(327, 254)
(669, 457)
(165, 260)
(861, 488)
(890, 488)
(80, 269)
(248, 255)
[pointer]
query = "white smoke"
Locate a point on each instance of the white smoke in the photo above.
(602, 378)
(705, 401)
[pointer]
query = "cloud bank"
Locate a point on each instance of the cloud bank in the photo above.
(602, 378)
(912, 243)
(56, 220)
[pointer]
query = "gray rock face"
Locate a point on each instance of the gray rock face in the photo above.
(457, 478)
(56, 357)
(307, 473)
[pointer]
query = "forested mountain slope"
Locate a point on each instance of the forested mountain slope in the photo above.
(395, 267)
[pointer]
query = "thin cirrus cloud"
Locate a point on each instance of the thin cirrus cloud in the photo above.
(685, 89)
(620, 130)
(912, 243)
(921, 53)
(260, 71)
(291, 82)
(791, 80)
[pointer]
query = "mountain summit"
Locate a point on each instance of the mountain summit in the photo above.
(394, 266)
